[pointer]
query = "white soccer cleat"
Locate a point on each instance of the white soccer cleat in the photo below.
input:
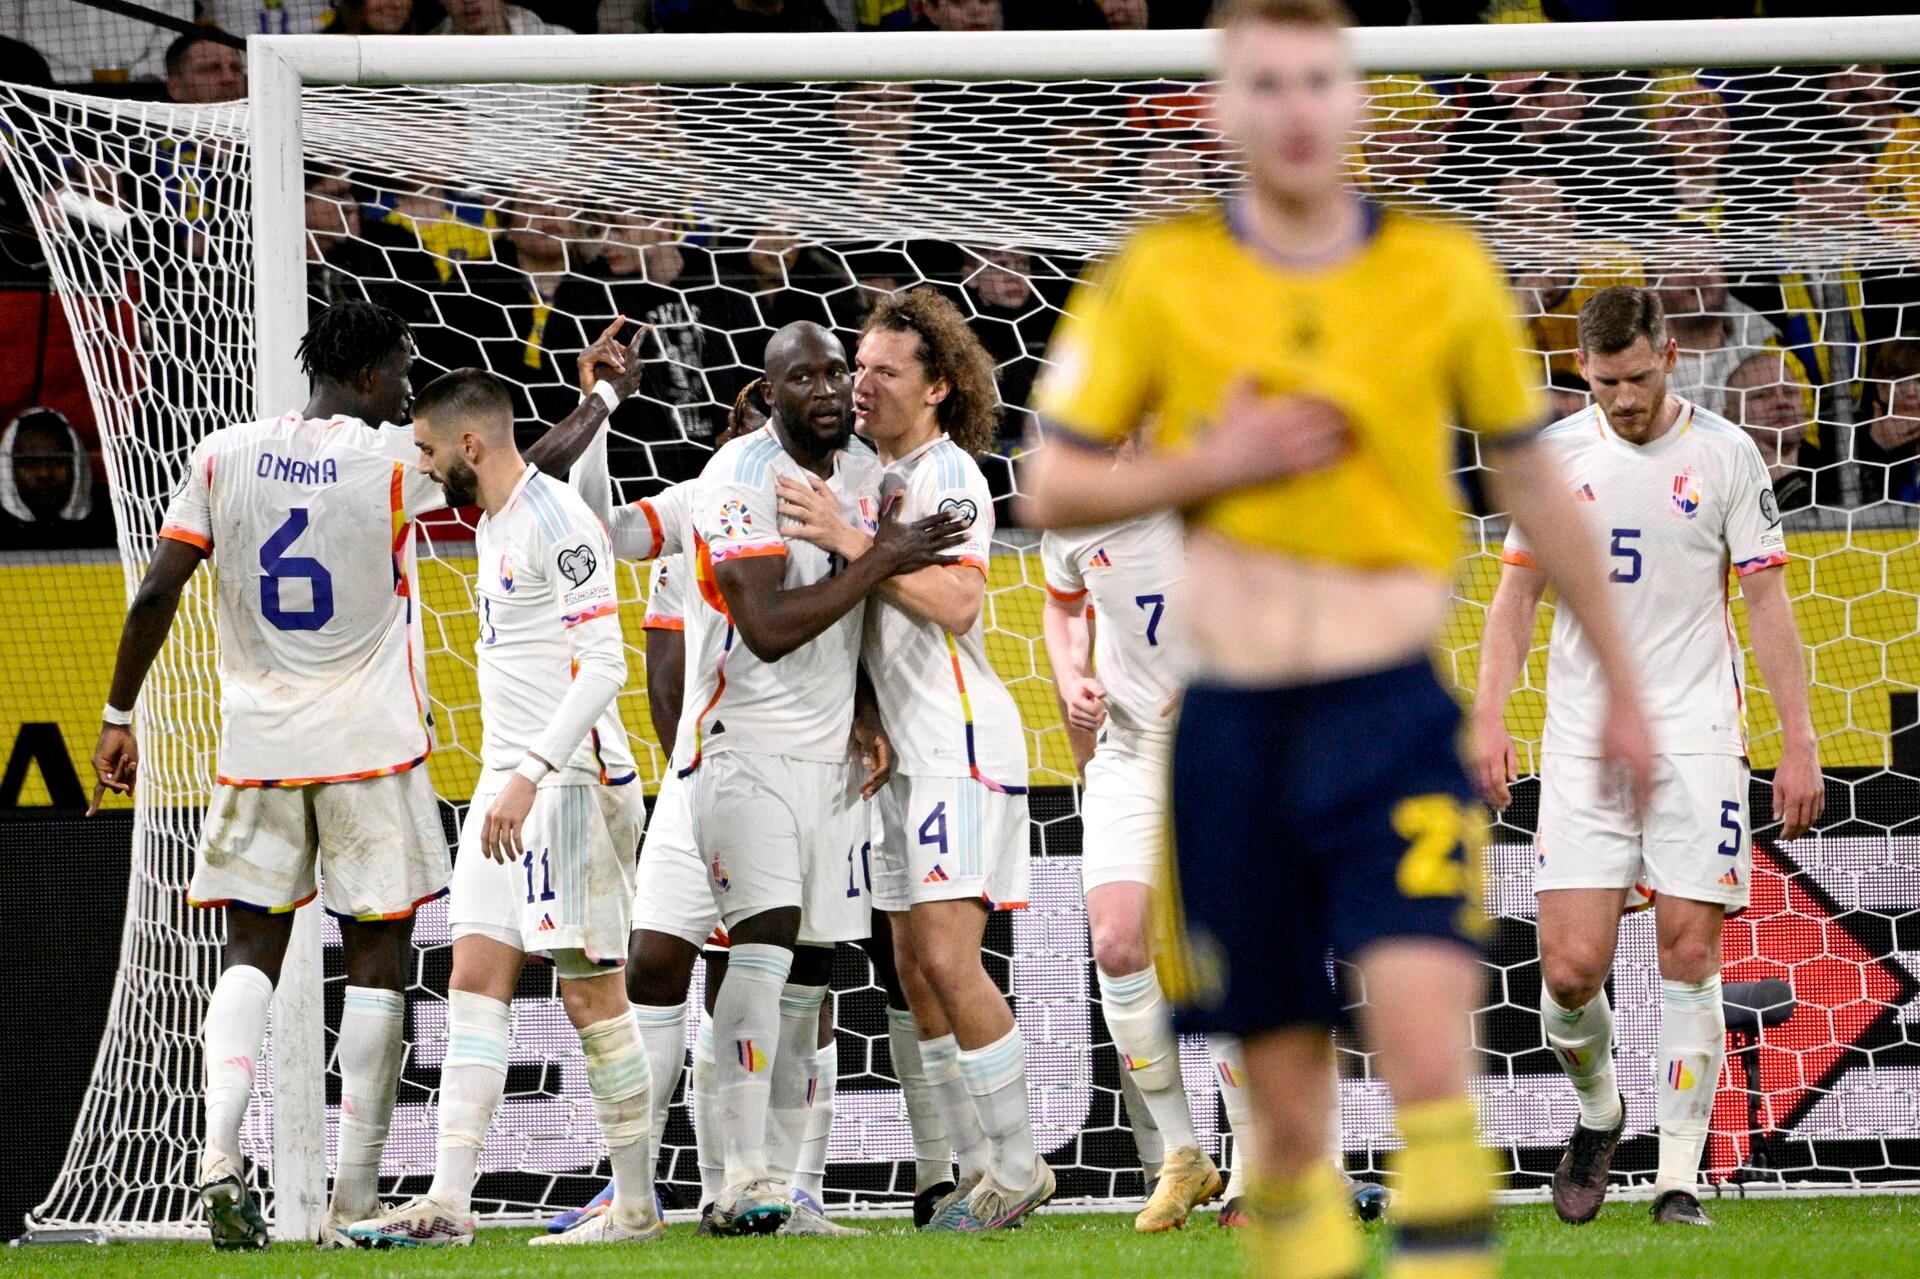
(757, 1207)
(333, 1232)
(417, 1223)
(601, 1226)
(809, 1218)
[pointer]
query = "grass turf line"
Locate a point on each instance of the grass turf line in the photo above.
(1863, 1238)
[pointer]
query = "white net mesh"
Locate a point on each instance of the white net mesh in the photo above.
(509, 223)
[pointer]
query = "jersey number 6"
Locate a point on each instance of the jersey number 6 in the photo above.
(280, 567)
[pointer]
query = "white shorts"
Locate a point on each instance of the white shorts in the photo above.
(1693, 842)
(376, 844)
(777, 831)
(950, 839)
(570, 893)
(1123, 816)
(670, 893)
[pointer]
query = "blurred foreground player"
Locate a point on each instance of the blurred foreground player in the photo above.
(324, 726)
(1676, 495)
(1301, 354)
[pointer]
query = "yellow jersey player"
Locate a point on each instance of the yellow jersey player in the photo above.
(1301, 355)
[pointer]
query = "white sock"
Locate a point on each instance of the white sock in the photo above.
(371, 1047)
(941, 1059)
(1142, 1027)
(708, 1147)
(1582, 1041)
(791, 1093)
(472, 1077)
(620, 1079)
(1693, 1045)
(1146, 1134)
(746, 1034)
(811, 1175)
(932, 1154)
(1230, 1062)
(234, 1030)
(996, 1078)
(664, 1033)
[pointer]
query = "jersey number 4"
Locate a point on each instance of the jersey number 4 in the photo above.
(278, 567)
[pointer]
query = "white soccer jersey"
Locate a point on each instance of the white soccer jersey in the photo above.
(1129, 574)
(946, 711)
(667, 594)
(1669, 518)
(801, 705)
(545, 595)
(642, 530)
(310, 524)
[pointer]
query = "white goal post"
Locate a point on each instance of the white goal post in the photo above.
(308, 93)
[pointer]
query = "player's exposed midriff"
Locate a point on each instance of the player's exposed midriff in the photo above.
(1266, 619)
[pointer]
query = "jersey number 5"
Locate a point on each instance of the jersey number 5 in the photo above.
(1627, 554)
(280, 567)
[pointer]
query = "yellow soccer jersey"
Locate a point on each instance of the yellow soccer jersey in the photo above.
(1410, 336)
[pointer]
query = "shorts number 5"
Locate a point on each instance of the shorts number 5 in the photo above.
(1434, 826)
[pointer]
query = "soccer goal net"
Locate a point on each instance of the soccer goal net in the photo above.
(510, 197)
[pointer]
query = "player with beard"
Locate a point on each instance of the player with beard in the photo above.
(773, 643)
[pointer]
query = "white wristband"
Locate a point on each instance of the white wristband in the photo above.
(608, 396)
(533, 768)
(118, 718)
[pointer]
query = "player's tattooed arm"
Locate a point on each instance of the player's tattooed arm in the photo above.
(1083, 700)
(1503, 655)
(1799, 792)
(116, 758)
(610, 360)
(948, 595)
(774, 620)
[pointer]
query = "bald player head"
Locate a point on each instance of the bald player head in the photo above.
(463, 427)
(810, 388)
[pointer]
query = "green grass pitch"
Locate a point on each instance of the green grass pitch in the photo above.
(1863, 1238)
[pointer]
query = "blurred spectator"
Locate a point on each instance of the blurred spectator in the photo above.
(445, 227)
(1173, 169)
(84, 45)
(1867, 96)
(1775, 411)
(350, 258)
(1716, 332)
(375, 18)
(878, 118)
(46, 487)
(494, 18)
(1561, 267)
(765, 16)
(202, 68)
(1014, 323)
(1567, 393)
(1404, 138)
(1125, 15)
(883, 15)
(266, 17)
(1892, 415)
(962, 15)
(1689, 120)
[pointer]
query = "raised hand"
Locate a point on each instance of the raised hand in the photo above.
(616, 361)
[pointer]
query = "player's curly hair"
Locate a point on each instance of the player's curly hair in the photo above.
(746, 416)
(348, 339)
(950, 350)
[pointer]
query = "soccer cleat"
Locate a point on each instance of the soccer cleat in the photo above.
(1233, 1213)
(1187, 1179)
(571, 1217)
(925, 1202)
(951, 1210)
(995, 1207)
(418, 1223)
(1369, 1199)
(233, 1218)
(809, 1218)
(333, 1231)
(603, 1227)
(705, 1227)
(757, 1207)
(1580, 1182)
(1679, 1208)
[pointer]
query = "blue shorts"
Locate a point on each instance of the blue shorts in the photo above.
(1309, 822)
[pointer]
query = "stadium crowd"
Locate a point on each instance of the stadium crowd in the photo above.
(1820, 365)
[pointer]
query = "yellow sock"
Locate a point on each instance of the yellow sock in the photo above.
(1443, 1195)
(1303, 1229)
